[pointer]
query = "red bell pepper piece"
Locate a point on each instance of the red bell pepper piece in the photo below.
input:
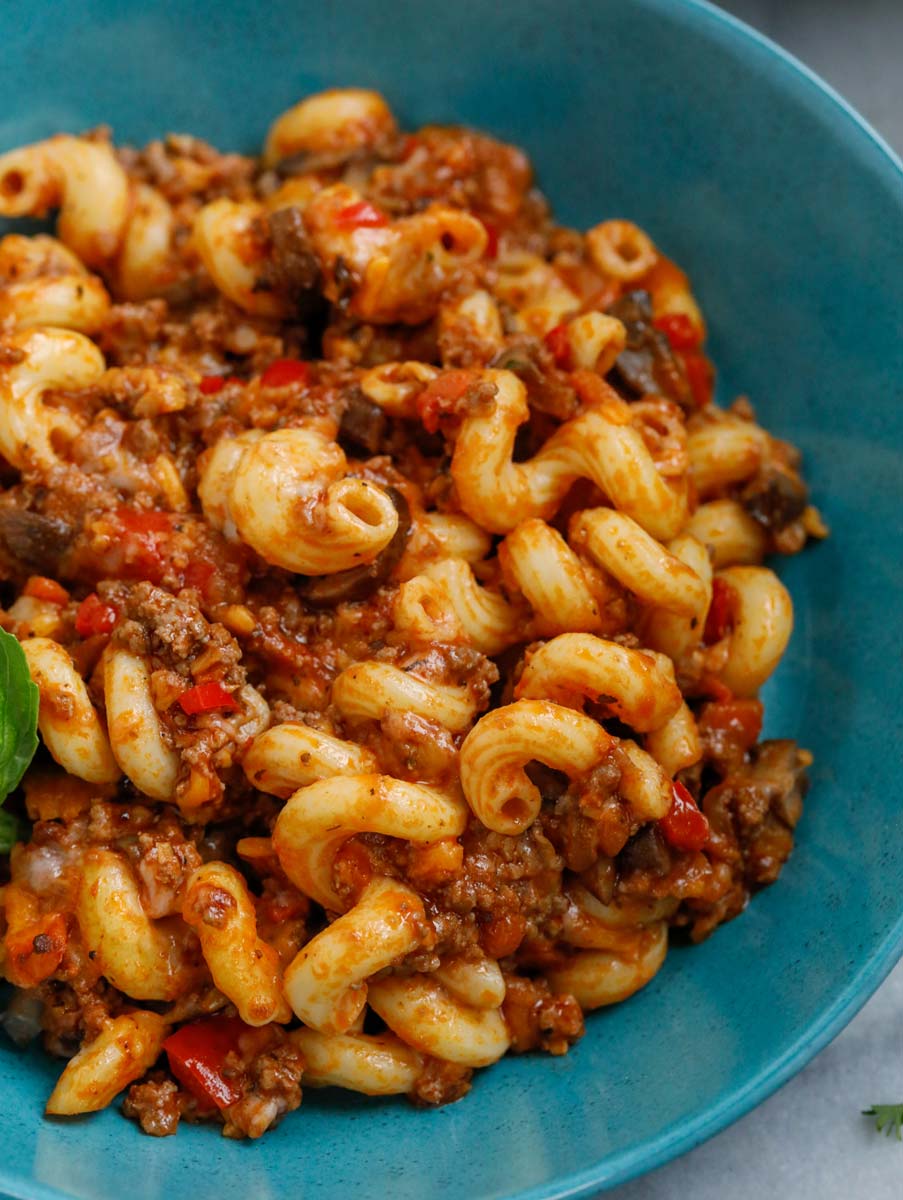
(409, 146)
(198, 575)
(492, 238)
(197, 1054)
(684, 826)
(94, 617)
(359, 215)
(442, 396)
(285, 371)
(145, 536)
(558, 342)
(741, 717)
(206, 696)
(143, 521)
(42, 588)
(679, 330)
(211, 384)
(720, 618)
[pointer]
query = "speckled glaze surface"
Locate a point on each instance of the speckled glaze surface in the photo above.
(789, 215)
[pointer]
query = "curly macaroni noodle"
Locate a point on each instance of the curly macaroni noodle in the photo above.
(595, 341)
(638, 686)
(225, 237)
(499, 493)
(733, 537)
(670, 633)
(79, 177)
(339, 119)
(480, 984)
(145, 959)
(424, 612)
(146, 261)
(724, 452)
(645, 787)
(69, 724)
(219, 907)
(676, 745)
(318, 819)
(136, 733)
(43, 283)
(501, 744)
(599, 977)
(396, 386)
(589, 924)
(287, 494)
(326, 982)
(377, 1066)
(475, 320)
(621, 249)
(291, 755)
(486, 617)
(371, 689)
(442, 535)
(535, 290)
(30, 430)
(639, 562)
(120, 1053)
(763, 622)
(427, 1017)
(538, 562)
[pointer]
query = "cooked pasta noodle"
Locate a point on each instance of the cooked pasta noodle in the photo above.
(319, 818)
(121, 1052)
(539, 563)
(428, 1017)
(496, 751)
(287, 494)
(500, 493)
(220, 909)
(638, 686)
(372, 689)
(377, 1066)
(70, 726)
(43, 283)
(139, 956)
(40, 361)
(326, 982)
(599, 977)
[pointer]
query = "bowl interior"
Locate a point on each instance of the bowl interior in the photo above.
(789, 217)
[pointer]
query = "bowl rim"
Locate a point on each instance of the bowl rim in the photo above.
(683, 1136)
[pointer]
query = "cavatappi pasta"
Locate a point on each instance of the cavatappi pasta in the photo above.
(396, 597)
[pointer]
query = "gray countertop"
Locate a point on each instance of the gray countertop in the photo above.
(809, 1141)
(856, 45)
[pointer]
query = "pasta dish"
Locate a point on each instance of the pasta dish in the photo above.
(393, 591)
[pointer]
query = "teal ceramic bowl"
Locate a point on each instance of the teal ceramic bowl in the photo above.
(789, 213)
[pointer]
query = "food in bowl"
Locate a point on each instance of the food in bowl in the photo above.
(394, 592)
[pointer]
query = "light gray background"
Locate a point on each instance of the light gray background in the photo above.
(808, 1142)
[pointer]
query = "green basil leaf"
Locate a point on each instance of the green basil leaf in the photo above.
(18, 714)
